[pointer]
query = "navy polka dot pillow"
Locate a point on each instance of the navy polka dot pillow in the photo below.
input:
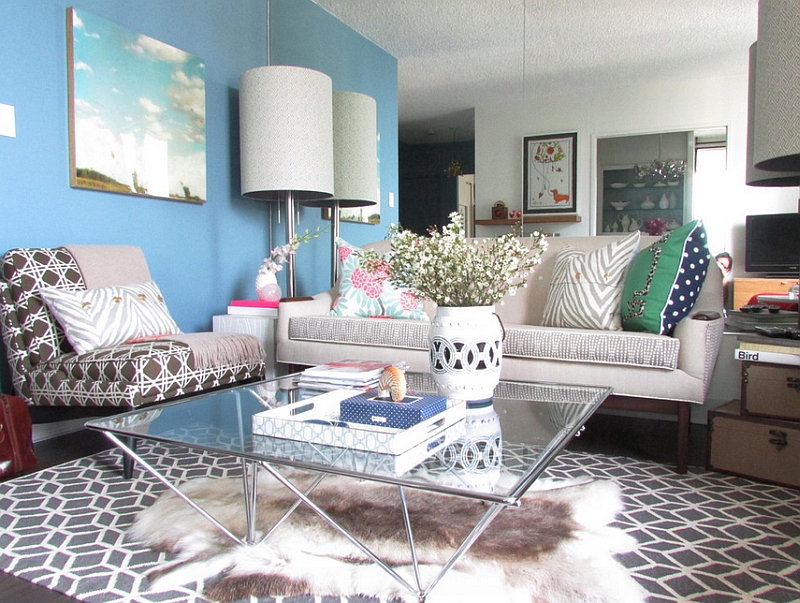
(664, 280)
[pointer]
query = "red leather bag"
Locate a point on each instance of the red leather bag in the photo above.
(16, 442)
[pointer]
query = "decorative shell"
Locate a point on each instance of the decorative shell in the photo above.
(393, 383)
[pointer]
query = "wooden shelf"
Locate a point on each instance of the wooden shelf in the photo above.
(538, 219)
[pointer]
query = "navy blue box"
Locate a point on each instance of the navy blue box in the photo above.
(366, 409)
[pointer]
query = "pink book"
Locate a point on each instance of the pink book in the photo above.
(254, 303)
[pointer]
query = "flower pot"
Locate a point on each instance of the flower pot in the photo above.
(267, 288)
(466, 348)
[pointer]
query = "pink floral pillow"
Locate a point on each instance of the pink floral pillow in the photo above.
(370, 294)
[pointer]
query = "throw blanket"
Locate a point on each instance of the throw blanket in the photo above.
(556, 547)
(219, 349)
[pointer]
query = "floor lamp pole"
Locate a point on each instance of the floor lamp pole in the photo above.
(291, 281)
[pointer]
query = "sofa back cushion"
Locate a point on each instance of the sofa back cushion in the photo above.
(527, 306)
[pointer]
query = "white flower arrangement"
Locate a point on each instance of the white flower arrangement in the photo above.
(451, 270)
(280, 254)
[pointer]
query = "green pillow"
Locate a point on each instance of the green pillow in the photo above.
(664, 280)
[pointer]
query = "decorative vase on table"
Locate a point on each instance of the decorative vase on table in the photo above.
(267, 288)
(466, 349)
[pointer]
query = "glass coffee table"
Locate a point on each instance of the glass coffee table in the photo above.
(493, 454)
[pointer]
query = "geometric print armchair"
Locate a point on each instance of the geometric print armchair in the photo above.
(47, 371)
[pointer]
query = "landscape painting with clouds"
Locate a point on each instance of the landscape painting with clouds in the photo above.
(137, 113)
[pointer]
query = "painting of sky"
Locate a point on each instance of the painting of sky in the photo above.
(137, 110)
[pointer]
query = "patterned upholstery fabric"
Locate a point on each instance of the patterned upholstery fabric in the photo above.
(394, 332)
(601, 347)
(46, 371)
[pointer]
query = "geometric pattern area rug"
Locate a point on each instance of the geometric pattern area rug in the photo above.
(702, 536)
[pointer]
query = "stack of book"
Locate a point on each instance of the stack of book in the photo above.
(754, 348)
(363, 374)
(253, 307)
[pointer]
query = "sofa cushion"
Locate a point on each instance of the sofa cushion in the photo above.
(664, 280)
(410, 334)
(600, 347)
(586, 288)
(363, 293)
(109, 316)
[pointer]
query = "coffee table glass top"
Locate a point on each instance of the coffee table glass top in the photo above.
(494, 454)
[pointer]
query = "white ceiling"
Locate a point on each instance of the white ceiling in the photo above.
(455, 55)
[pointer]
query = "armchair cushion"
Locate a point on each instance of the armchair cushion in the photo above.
(108, 316)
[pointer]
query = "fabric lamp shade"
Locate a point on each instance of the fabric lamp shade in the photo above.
(355, 147)
(776, 114)
(286, 136)
(355, 160)
(755, 176)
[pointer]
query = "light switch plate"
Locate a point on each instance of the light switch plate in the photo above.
(391, 199)
(8, 125)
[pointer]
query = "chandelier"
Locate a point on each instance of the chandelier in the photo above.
(661, 171)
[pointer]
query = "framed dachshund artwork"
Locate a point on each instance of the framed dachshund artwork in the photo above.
(549, 173)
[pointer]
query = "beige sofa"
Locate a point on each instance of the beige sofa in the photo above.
(649, 373)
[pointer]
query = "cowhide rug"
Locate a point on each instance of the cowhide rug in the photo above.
(556, 547)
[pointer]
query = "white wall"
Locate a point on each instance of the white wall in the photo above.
(648, 106)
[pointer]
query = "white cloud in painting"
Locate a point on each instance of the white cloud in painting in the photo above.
(77, 23)
(189, 171)
(146, 45)
(149, 106)
(81, 66)
(100, 149)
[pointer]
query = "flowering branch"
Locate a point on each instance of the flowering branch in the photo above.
(451, 270)
(280, 254)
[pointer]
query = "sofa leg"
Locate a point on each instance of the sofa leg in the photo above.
(127, 461)
(684, 425)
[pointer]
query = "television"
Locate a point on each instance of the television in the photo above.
(772, 244)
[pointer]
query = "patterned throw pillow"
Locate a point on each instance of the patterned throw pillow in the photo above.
(109, 316)
(586, 288)
(664, 280)
(365, 294)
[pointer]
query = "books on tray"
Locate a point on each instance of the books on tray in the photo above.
(343, 373)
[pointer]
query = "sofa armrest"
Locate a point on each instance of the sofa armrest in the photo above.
(700, 333)
(317, 305)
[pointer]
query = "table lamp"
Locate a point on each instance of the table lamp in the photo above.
(286, 140)
(355, 160)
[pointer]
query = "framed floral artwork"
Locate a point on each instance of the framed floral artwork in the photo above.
(136, 112)
(549, 173)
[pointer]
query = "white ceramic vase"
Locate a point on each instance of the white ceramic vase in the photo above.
(267, 288)
(466, 349)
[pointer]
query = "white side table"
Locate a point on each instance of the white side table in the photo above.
(262, 326)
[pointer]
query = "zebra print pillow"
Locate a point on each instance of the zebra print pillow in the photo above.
(98, 318)
(586, 288)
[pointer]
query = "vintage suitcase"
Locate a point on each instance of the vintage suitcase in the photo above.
(771, 390)
(758, 447)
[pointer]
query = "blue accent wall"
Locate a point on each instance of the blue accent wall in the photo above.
(202, 256)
